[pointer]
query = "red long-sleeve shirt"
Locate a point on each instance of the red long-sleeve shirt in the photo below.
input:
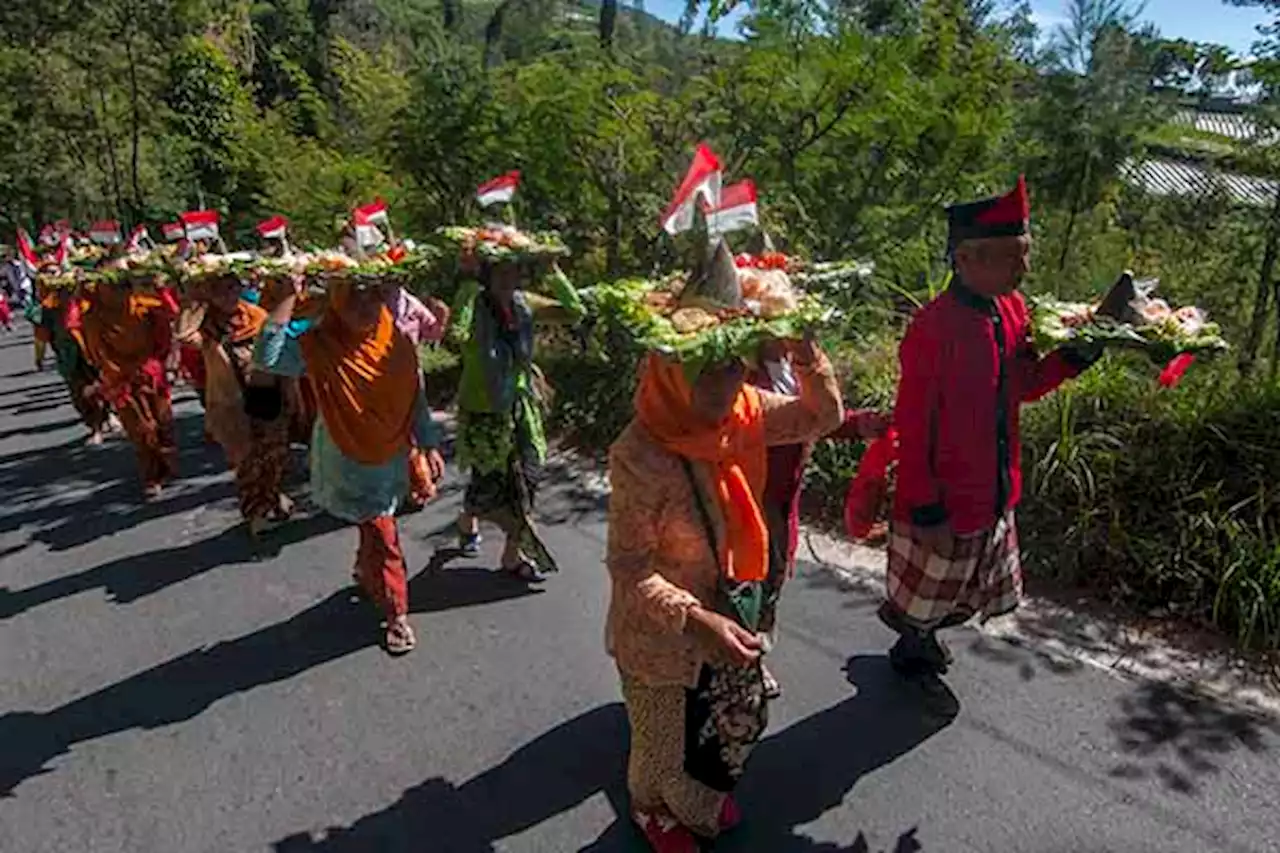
(967, 366)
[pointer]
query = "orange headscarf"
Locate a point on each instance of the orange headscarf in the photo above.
(245, 322)
(120, 339)
(734, 448)
(366, 383)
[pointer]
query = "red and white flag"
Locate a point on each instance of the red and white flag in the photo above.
(139, 239)
(374, 213)
(200, 224)
(49, 236)
(105, 232)
(273, 228)
(737, 209)
(173, 231)
(701, 185)
(501, 190)
(62, 255)
(27, 253)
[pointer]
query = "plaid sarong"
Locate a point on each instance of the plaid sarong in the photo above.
(981, 575)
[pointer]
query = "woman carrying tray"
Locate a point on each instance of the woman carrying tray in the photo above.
(59, 313)
(244, 408)
(127, 328)
(688, 559)
(500, 436)
(371, 411)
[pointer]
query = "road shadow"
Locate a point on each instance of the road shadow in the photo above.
(807, 769)
(549, 775)
(73, 494)
(1177, 736)
(820, 759)
(182, 688)
(39, 429)
(136, 576)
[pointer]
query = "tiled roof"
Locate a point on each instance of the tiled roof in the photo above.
(1230, 125)
(1171, 177)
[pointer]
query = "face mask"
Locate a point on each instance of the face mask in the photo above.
(784, 381)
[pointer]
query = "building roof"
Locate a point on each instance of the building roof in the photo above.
(1164, 177)
(1238, 126)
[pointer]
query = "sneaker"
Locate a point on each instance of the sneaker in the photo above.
(469, 544)
(664, 833)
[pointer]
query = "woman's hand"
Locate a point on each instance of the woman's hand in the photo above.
(804, 353)
(435, 464)
(723, 639)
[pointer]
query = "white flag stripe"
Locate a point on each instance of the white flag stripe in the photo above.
(368, 235)
(707, 193)
(732, 219)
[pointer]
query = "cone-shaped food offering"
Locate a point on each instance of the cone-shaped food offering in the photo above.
(716, 286)
(1129, 316)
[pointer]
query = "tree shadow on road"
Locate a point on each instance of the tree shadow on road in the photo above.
(136, 576)
(795, 776)
(182, 688)
(1176, 735)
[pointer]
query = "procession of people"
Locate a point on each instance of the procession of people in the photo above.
(706, 479)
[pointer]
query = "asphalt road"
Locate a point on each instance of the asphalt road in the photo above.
(165, 687)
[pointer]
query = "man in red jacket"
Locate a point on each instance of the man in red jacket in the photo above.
(967, 366)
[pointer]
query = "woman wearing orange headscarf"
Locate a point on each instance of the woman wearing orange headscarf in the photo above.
(688, 555)
(372, 410)
(127, 331)
(244, 407)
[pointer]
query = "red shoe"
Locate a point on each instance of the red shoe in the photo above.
(664, 833)
(730, 814)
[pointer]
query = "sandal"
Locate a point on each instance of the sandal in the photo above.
(399, 638)
(664, 833)
(524, 570)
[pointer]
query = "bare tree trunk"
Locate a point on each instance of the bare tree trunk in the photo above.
(452, 14)
(111, 152)
(136, 135)
(493, 34)
(608, 22)
(1262, 302)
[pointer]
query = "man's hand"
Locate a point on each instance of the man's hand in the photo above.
(873, 425)
(723, 639)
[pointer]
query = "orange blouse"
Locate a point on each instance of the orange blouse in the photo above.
(660, 562)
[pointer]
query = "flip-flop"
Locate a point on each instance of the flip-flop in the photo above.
(400, 639)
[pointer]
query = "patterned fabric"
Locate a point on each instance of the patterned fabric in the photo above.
(981, 574)
(725, 716)
(259, 474)
(147, 416)
(505, 497)
(380, 567)
(656, 777)
(659, 561)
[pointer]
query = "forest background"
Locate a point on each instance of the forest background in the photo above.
(857, 119)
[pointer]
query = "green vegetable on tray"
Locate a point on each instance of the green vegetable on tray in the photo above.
(1129, 317)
